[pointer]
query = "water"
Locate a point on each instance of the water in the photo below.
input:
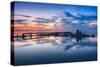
(54, 50)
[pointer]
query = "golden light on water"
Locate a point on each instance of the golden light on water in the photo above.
(51, 38)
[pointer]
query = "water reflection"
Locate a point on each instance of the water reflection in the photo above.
(54, 49)
(54, 41)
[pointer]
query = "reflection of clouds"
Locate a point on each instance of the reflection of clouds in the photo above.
(57, 41)
(20, 44)
(92, 39)
(86, 43)
(49, 45)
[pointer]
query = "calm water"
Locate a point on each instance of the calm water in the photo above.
(54, 49)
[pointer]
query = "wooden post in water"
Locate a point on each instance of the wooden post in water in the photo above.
(30, 35)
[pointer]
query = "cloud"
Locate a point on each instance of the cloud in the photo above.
(46, 20)
(21, 19)
(84, 17)
(80, 17)
(41, 20)
(27, 16)
(67, 14)
(18, 20)
(66, 22)
(75, 22)
(92, 24)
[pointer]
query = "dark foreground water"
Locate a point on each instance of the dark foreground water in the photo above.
(54, 50)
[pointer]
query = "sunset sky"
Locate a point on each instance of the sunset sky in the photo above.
(39, 17)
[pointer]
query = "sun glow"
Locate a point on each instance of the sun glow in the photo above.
(31, 24)
(50, 26)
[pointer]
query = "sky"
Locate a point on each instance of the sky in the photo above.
(45, 17)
